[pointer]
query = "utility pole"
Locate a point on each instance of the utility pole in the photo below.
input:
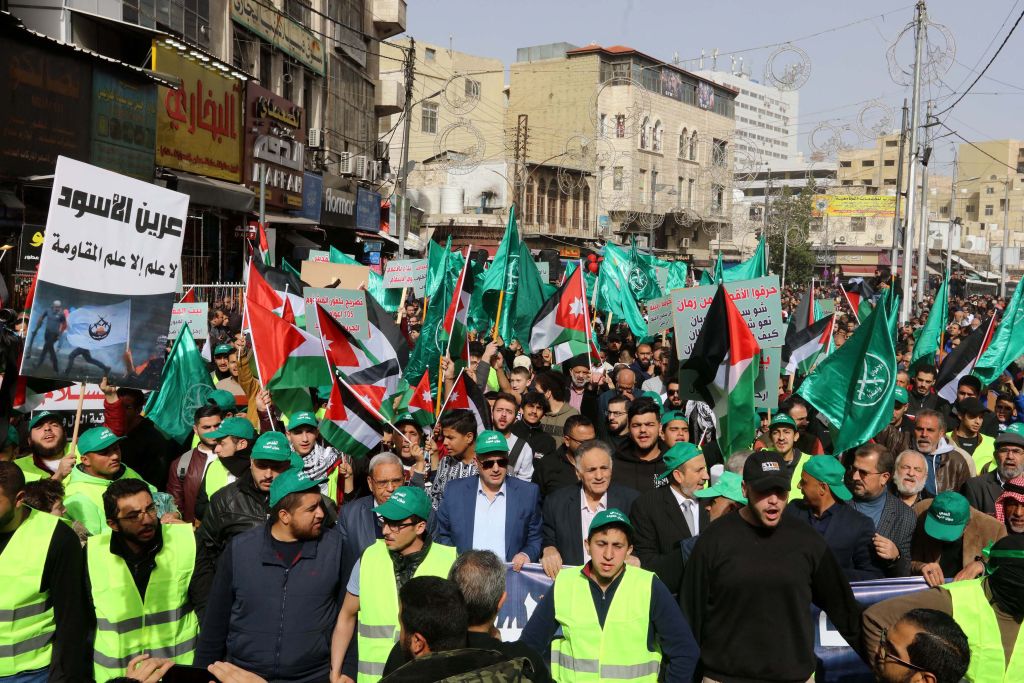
(403, 177)
(519, 170)
(952, 220)
(767, 206)
(897, 218)
(915, 116)
(1006, 236)
(922, 228)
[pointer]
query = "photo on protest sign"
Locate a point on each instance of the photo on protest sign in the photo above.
(107, 278)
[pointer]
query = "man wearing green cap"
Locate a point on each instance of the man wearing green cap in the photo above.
(782, 433)
(824, 507)
(318, 460)
(617, 621)
(48, 442)
(221, 354)
(668, 515)
(949, 538)
(232, 440)
(100, 465)
(371, 598)
(724, 496)
(277, 592)
(674, 428)
(185, 475)
(983, 490)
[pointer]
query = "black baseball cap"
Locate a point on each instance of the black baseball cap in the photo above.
(970, 406)
(764, 471)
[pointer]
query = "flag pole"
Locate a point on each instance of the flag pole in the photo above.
(846, 298)
(78, 417)
(504, 276)
(401, 305)
(441, 404)
(448, 347)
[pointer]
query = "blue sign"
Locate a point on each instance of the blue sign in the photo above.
(367, 210)
(312, 196)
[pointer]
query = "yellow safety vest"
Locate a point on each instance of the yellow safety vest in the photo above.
(984, 454)
(976, 617)
(83, 498)
(164, 624)
(31, 471)
(26, 615)
(794, 483)
(215, 478)
(587, 652)
(377, 631)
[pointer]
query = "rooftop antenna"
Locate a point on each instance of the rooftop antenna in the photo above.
(732, 64)
(714, 59)
(675, 57)
(702, 59)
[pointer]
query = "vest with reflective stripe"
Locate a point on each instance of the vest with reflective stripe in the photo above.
(984, 454)
(26, 615)
(587, 652)
(164, 625)
(794, 482)
(978, 620)
(378, 603)
(215, 479)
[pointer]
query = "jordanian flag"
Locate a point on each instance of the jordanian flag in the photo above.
(287, 356)
(349, 424)
(803, 348)
(419, 402)
(858, 295)
(723, 366)
(456, 318)
(466, 395)
(563, 323)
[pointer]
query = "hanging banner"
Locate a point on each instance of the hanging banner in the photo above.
(407, 273)
(759, 301)
(281, 31)
(107, 278)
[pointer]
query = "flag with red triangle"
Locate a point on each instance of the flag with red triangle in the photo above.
(287, 356)
(456, 318)
(349, 424)
(264, 245)
(420, 402)
(189, 297)
(466, 395)
(563, 322)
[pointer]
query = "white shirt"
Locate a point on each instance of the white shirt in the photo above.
(587, 516)
(690, 503)
(524, 464)
(489, 521)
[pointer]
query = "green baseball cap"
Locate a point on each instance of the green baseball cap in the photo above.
(96, 439)
(491, 442)
(681, 453)
(303, 418)
(828, 470)
(654, 396)
(274, 446)
(947, 516)
(238, 427)
(405, 417)
(42, 417)
(782, 420)
(901, 396)
(223, 350)
(405, 502)
(223, 399)
(294, 480)
(609, 517)
(729, 485)
(673, 415)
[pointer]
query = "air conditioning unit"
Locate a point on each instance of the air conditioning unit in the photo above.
(381, 150)
(371, 172)
(315, 138)
(841, 239)
(684, 243)
(879, 237)
(359, 166)
(345, 163)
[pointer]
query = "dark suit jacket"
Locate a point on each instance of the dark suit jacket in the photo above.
(897, 524)
(659, 527)
(358, 526)
(848, 535)
(455, 517)
(981, 492)
(563, 525)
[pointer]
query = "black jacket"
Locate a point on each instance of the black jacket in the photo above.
(360, 529)
(848, 536)
(563, 525)
(542, 443)
(659, 528)
(637, 474)
(981, 492)
(554, 472)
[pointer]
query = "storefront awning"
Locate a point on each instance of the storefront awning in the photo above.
(298, 240)
(219, 194)
(374, 236)
(857, 270)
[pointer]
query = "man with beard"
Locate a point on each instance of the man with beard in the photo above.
(639, 463)
(949, 539)
(982, 491)
(49, 445)
(989, 609)
(1010, 507)
(642, 365)
(922, 397)
(144, 448)
(948, 466)
(185, 475)
(624, 381)
(559, 468)
(660, 366)
(616, 423)
(139, 572)
(234, 439)
(867, 477)
(673, 400)
(556, 392)
(761, 562)
(581, 396)
(277, 591)
(520, 455)
(908, 482)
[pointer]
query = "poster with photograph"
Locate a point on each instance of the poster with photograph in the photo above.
(107, 278)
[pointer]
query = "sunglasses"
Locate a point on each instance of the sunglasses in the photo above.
(496, 462)
(885, 648)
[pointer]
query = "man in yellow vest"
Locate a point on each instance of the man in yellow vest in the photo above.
(372, 592)
(967, 434)
(49, 457)
(43, 609)
(782, 432)
(233, 440)
(138, 577)
(100, 465)
(924, 646)
(988, 609)
(617, 621)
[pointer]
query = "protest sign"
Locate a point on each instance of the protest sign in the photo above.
(766, 384)
(195, 314)
(759, 301)
(64, 402)
(107, 277)
(319, 256)
(662, 276)
(545, 270)
(826, 306)
(347, 276)
(659, 315)
(407, 273)
(347, 306)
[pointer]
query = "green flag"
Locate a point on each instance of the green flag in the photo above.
(289, 268)
(713, 277)
(613, 292)
(433, 340)
(929, 337)
(185, 385)
(642, 278)
(676, 275)
(443, 264)
(1007, 342)
(854, 386)
(753, 267)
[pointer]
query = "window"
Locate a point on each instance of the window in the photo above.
(858, 224)
(552, 205)
(689, 192)
(642, 181)
(845, 164)
(990, 190)
(1002, 204)
(297, 10)
(970, 208)
(620, 125)
(602, 125)
(585, 219)
(718, 153)
(988, 210)
(645, 133)
(890, 162)
(472, 89)
(847, 182)
(871, 190)
(430, 54)
(656, 138)
(866, 182)
(679, 191)
(563, 205)
(428, 120)
(944, 210)
(528, 213)
(693, 146)
(617, 178)
(542, 188)
(889, 181)
(576, 209)
(682, 143)
(717, 199)
(868, 162)
(892, 143)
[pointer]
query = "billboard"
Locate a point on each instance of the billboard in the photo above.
(868, 206)
(274, 147)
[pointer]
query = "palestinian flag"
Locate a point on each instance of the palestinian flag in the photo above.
(287, 356)
(456, 318)
(349, 424)
(806, 313)
(722, 368)
(287, 286)
(188, 297)
(563, 322)
(264, 245)
(858, 295)
(259, 292)
(466, 395)
(961, 360)
(804, 347)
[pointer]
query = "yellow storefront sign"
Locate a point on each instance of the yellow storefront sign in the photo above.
(868, 206)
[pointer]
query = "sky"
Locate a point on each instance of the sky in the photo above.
(848, 60)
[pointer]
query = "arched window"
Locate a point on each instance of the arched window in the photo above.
(528, 212)
(563, 210)
(552, 204)
(645, 133)
(585, 218)
(542, 188)
(656, 137)
(684, 142)
(576, 209)
(693, 146)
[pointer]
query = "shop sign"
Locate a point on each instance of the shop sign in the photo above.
(339, 202)
(199, 124)
(123, 125)
(274, 147)
(30, 247)
(367, 210)
(281, 31)
(312, 196)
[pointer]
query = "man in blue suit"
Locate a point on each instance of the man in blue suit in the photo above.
(491, 511)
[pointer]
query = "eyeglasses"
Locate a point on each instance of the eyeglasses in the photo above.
(885, 649)
(396, 526)
(490, 464)
(139, 514)
(613, 413)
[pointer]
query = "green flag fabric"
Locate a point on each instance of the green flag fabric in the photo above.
(1007, 342)
(503, 276)
(432, 342)
(926, 348)
(443, 264)
(642, 277)
(754, 267)
(185, 384)
(613, 292)
(854, 386)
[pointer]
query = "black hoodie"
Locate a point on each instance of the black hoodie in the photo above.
(641, 475)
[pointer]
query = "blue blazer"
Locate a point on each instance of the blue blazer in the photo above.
(454, 520)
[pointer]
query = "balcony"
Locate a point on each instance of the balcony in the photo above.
(388, 98)
(388, 17)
